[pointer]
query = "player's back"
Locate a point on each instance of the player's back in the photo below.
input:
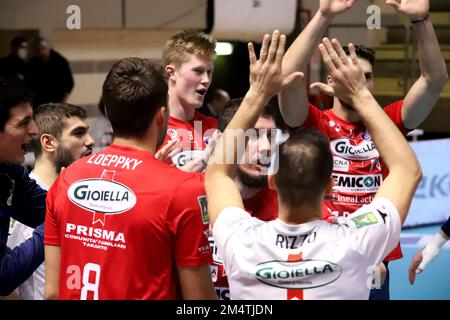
(126, 226)
(312, 261)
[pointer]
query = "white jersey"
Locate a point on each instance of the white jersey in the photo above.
(33, 287)
(314, 261)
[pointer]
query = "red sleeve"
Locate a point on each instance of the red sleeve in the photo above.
(313, 120)
(189, 224)
(51, 229)
(394, 111)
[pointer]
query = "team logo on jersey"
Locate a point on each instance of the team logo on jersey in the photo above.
(214, 272)
(203, 209)
(98, 195)
(366, 135)
(223, 293)
(340, 164)
(298, 275)
(183, 157)
(216, 257)
(172, 133)
(348, 183)
(365, 150)
(365, 220)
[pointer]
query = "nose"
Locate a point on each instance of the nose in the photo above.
(32, 128)
(264, 144)
(206, 77)
(89, 141)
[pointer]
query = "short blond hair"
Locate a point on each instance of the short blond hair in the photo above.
(187, 42)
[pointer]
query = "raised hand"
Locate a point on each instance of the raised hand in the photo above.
(334, 7)
(168, 151)
(415, 9)
(347, 74)
(266, 77)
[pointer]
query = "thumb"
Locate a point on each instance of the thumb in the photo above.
(325, 88)
(393, 3)
(293, 76)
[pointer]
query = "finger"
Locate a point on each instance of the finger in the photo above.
(273, 46)
(174, 152)
(292, 77)
(333, 54)
(411, 271)
(325, 88)
(251, 53)
(326, 59)
(393, 3)
(281, 49)
(340, 51)
(163, 151)
(353, 56)
(264, 48)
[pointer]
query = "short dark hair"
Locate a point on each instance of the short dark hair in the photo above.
(363, 53)
(269, 111)
(50, 118)
(12, 93)
(17, 41)
(133, 91)
(305, 167)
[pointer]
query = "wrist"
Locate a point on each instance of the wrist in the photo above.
(256, 97)
(418, 19)
(325, 15)
(438, 241)
(360, 95)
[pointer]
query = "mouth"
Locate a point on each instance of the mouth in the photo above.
(26, 147)
(263, 165)
(201, 92)
(88, 152)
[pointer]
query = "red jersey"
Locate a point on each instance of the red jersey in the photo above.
(193, 135)
(124, 221)
(264, 206)
(358, 170)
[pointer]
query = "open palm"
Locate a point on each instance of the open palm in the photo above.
(412, 8)
(335, 6)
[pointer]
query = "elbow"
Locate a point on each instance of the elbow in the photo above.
(439, 81)
(416, 172)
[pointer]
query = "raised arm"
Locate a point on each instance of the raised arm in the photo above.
(423, 95)
(266, 80)
(404, 169)
(293, 99)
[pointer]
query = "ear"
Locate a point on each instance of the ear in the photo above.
(170, 70)
(330, 185)
(329, 80)
(271, 182)
(48, 143)
(161, 115)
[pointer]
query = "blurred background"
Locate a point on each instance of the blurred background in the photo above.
(109, 30)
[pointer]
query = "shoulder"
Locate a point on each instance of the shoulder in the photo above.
(210, 122)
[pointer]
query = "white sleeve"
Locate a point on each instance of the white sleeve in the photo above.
(377, 227)
(230, 223)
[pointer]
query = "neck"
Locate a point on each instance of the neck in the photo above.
(245, 191)
(148, 145)
(45, 169)
(306, 212)
(344, 112)
(177, 110)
